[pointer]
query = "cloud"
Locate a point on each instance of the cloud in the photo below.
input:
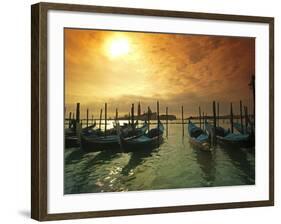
(176, 69)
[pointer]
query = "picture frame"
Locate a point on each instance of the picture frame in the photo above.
(40, 158)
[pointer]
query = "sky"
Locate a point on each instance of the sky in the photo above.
(122, 68)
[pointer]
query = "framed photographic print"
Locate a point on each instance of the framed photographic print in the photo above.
(139, 111)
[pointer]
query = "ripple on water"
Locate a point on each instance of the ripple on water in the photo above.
(174, 165)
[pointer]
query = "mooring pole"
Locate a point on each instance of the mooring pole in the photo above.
(241, 117)
(69, 120)
(231, 118)
(100, 119)
(78, 112)
(105, 118)
(87, 122)
(133, 115)
(148, 117)
(215, 122)
(182, 120)
(116, 114)
(203, 119)
(200, 116)
(246, 117)
(167, 122)
(254, 95)
(158, 123)
(139, 113)
(218, 115)
(158, 116)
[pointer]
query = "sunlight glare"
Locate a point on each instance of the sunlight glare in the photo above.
(118, 47)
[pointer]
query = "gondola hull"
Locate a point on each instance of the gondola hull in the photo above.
(90, 144)
(146, 142)
(142, 144)
(205, 145)
(96, 140)
(71, 141)
(198, 138)
(233, 140)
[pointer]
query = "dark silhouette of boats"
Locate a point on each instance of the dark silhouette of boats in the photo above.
(71, 137)
(93, 140)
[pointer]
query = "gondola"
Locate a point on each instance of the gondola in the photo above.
(148, 141)
(71, 137)
(250, 130)
(197, 137)
(96, 140)
(226, 138)
(244, 130)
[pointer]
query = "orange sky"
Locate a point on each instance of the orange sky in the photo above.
(189, 70)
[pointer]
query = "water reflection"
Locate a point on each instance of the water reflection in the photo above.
(242, 160)
(206, 162)
(136, 159)
(175, 164)
(80, 166)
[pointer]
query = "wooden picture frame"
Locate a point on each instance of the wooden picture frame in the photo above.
(39, 109)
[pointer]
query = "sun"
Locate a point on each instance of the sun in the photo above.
(118, 47)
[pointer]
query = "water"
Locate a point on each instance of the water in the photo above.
(175, 164)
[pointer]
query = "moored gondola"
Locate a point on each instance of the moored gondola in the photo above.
(71, 135)
(148, 141)
(244, 130)
(97, 140)
(226, 138)
(197, 137)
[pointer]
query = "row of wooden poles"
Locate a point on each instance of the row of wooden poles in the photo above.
(216, 116)
(131, 118)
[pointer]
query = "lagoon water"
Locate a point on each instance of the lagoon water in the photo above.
(175, 164)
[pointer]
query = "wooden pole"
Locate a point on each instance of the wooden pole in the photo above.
(218, 115)
(158, 116)
(133, 115)
(92, 119)
(203, 125)
(246, 117)
(200, 116)
(148, 117)
(241, 117)
(100, 119)
(231, 118)
(182, 120)
(158, 123)
(105, 118)
(116, 114)
(69, 120)
(215, 122)
(254, 95)
(139, 113)
(129, 118)
(78, 112)
(167, 122)
(87, 122)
